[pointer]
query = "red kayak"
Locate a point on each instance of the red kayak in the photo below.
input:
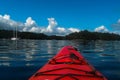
(68, 64)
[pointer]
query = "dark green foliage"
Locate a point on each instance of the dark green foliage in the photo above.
(83, 35)
(5, 34)
(86, 35)
(29, 35)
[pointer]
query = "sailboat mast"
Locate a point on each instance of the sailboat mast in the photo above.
(16, 32)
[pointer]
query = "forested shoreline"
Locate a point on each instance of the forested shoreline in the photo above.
(83, 35)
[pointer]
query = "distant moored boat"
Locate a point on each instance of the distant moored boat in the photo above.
(15, 35)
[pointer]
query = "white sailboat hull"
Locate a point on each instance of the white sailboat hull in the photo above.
(14, 38)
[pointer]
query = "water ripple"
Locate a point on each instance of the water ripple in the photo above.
(24, 57)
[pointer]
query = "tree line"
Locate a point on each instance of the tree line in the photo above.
(87, 35)
(83, 35)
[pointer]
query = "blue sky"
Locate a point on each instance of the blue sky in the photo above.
(79, 14)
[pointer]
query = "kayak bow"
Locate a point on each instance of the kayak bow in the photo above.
(68, 64)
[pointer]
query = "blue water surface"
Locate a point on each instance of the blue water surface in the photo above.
(21, 59)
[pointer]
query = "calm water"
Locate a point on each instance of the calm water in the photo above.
(19, 61)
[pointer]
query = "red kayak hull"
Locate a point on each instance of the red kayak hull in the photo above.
(68, 64)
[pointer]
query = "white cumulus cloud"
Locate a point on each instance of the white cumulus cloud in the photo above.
(101, 29)
(73, 30)
(54, 29)
(6, 22)
(52, 25)
(116, 26)
(29, 22)
(30, 25)
(6, 16)
(61, 30)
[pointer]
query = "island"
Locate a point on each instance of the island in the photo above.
(83, 35)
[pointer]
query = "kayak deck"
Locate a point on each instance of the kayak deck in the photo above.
(68, 64)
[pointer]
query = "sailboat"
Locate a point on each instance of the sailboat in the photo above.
(15, 34)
